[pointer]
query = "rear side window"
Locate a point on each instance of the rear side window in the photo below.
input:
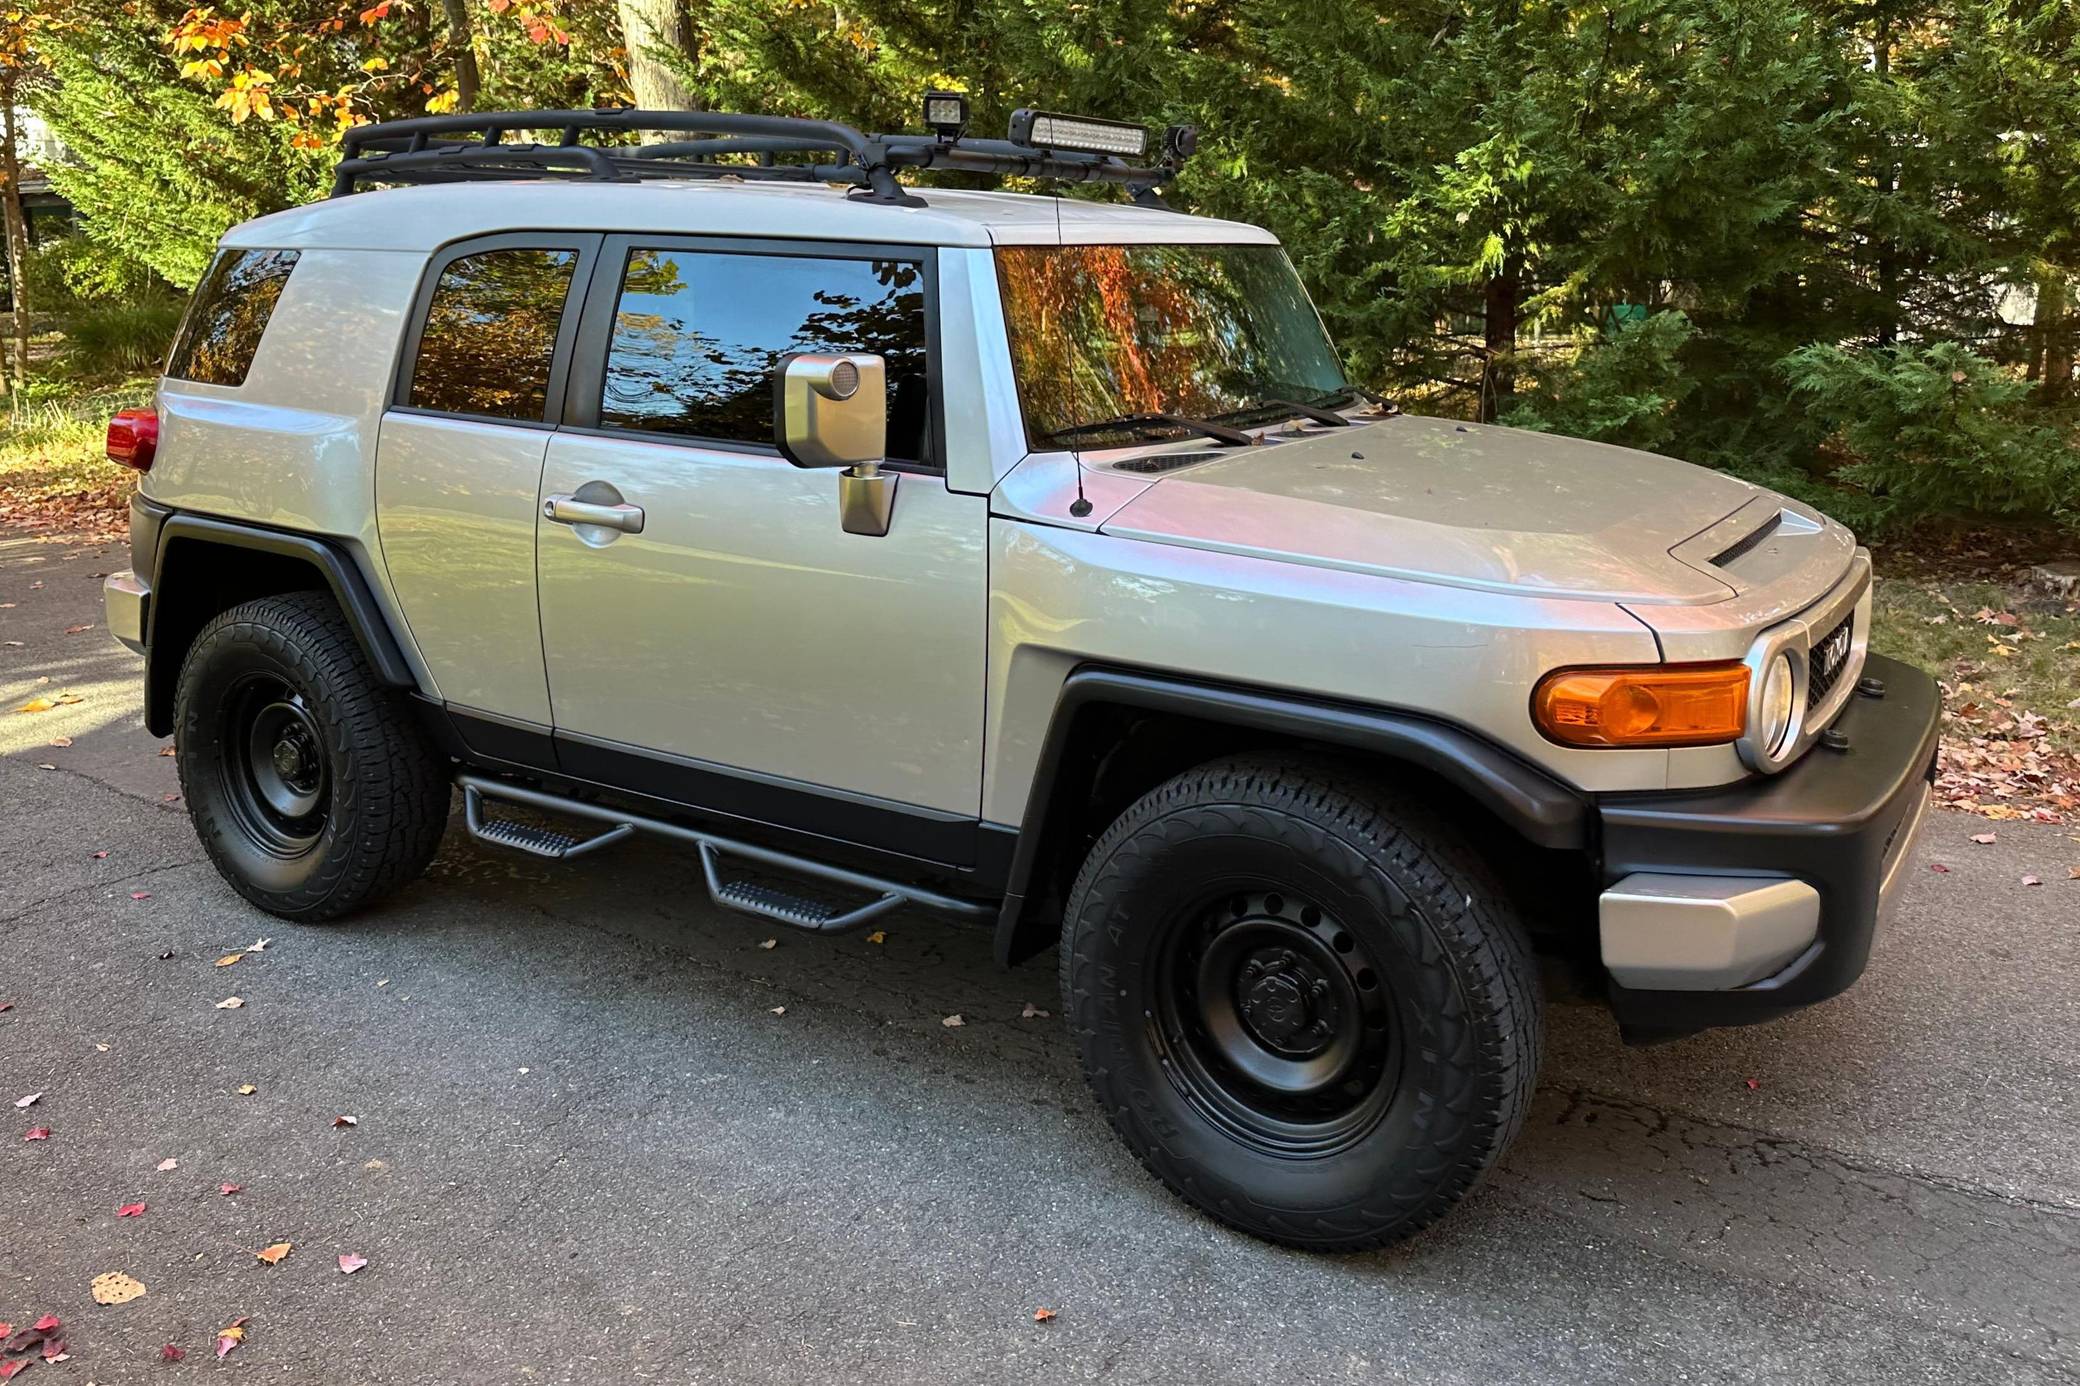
(490, 335)
(697, 333)
(232, 305)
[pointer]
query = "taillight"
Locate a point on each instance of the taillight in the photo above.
(1643, 705)
(133, 436)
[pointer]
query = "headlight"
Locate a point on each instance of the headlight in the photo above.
(1777, 713)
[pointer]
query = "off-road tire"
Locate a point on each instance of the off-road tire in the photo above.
(385, 787)
(1425, 915)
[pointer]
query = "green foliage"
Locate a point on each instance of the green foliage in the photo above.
(105, 339)
(1772, 180)
(1621, 385)
(1937, 430)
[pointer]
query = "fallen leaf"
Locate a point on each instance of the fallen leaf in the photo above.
(115, 1288)
(45, 765)
(101, 1049)
(75, 630)
(166, 750)
(2031, 880)
(231, 1003)
(47, 1324)
(349, 1263)
(770, 943)
(38, 1133)
(878, 936)
(54, 1352)
(170, 1353)
(953, 1022)
(1042, 1315)
(229, 1189)
(1031, 1012)
(231, 1335)
(140, 895)
(131, 1210)
(1754, 1084)
(346, 1121)
(29, 1101)
(37, 705)
(228, 959)
(272, 1255)
(258, 945)
(166, 1164)
(778, 1010)
(6, 1005)
(101, 855)
(61, 742)
(246, 1089)
(171, 799)
(2072, 874)
(19, 1364)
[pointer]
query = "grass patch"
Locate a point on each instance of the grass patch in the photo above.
(52, 471)
(2025, 648)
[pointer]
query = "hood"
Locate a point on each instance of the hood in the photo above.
(1466, 505)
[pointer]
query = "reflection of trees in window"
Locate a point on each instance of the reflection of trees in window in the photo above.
(1103, 330)
(696, 336)
(232, 306)
(490, 333)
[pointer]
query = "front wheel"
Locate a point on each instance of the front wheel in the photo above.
(311, 785)
(1304, 1008)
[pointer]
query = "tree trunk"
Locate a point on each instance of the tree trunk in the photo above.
(2055, 334)
(17, 232)
(462, 38)
(646, 27)
(1505, 298)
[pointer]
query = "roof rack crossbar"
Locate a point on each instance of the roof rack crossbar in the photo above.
(460, 147)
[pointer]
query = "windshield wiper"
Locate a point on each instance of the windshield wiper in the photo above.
(1127, 423)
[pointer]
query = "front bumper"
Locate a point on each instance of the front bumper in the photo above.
(126, 599)
(1738, 904)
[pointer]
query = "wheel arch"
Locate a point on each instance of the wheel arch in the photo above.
(205, 566)
(1116, 733)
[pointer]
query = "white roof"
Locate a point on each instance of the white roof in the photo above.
(423, 218)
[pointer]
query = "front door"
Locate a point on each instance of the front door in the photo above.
(722, 616)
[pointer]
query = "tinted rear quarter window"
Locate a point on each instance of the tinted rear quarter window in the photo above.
(697, 333)
(232, 304)
(489, 341)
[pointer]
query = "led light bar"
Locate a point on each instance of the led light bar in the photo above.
(1049, 130)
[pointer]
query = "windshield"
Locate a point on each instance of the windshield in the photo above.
(1101, 332)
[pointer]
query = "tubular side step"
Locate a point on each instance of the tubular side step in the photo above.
(529, 837)
(769, 902)
(799, 911)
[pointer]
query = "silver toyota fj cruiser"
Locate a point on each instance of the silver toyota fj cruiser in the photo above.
(1028, 560)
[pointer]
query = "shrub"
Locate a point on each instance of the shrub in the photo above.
(1927, 431)
(1621, 386)
(104, 340)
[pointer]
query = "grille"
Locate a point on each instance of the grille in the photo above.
(1828, 661)
(1162, 461)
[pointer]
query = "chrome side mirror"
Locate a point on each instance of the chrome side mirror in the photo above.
(832, 411)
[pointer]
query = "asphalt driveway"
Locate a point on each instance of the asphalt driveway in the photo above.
(601, 1134)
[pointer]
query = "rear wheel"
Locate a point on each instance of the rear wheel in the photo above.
(1304, 1007)
(310, 783)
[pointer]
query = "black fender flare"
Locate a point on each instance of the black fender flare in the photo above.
(1538, 807)
(182, 534)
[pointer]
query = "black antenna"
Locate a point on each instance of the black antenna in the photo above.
(1081, 506)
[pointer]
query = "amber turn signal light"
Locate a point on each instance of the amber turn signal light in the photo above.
(1643, 705)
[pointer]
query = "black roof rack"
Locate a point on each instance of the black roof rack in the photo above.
(474, 148)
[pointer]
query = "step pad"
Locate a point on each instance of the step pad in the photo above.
(782, 905)
(527, 837)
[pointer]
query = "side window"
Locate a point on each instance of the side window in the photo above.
(222, 330)
(490, 334)
(696, 334)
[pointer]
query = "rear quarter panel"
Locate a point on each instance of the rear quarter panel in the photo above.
(294, 447)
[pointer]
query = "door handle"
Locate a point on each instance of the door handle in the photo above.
(569, 510)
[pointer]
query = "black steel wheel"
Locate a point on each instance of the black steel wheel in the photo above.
(311, 785)
(1306, 1008)
(1274, 1024)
